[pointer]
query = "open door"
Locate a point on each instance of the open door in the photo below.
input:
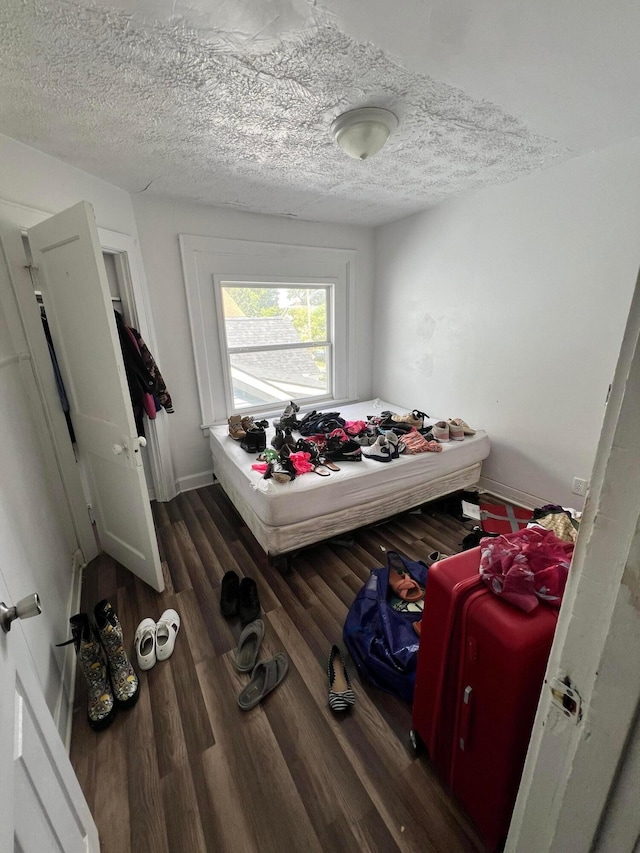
(75, 292)
(42, 806)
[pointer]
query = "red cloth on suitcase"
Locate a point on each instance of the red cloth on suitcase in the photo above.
(503, 518)
(526, 567)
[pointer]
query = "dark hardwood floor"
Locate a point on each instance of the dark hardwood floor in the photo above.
(187, 770)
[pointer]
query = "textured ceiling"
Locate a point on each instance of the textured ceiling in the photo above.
(230, 103)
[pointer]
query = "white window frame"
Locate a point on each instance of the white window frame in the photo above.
(207, 261)
(275, 283)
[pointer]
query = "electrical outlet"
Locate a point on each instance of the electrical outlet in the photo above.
(579, 487)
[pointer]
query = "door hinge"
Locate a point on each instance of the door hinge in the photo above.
(90, 512)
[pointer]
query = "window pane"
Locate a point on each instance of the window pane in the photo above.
(256, 316)
(277, 376)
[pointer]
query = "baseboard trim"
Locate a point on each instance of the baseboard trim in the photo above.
(194, 481)
(508, 493)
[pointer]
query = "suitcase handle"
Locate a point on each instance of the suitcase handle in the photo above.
(465, 720)
(468, 588)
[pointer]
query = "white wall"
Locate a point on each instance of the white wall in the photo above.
(159, 222)
(36, 180)
(36, 546)
(507, 307)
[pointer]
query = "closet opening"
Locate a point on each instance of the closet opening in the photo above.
(120, 287)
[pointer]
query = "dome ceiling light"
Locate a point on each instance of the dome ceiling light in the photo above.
(362, 133)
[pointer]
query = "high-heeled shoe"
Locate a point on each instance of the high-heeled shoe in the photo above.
(283, 436)
(341, 695)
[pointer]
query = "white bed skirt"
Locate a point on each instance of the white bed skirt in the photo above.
(285, 517)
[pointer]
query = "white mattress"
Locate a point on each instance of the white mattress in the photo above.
(309, 495)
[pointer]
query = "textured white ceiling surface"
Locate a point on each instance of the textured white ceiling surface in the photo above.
(230, 103)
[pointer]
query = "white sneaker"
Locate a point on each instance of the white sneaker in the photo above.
(145, 643)
(395, 444)
(166, 633)
(380, 450)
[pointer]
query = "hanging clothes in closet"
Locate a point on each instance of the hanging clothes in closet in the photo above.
(146, 385)
(64, 402)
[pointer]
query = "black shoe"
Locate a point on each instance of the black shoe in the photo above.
(248, 601)
(343, 451)
(288, 417)
(229, 592)
(255, 440)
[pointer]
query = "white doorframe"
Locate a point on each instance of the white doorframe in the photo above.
(21, 218)
(573, 764)
(137, 303)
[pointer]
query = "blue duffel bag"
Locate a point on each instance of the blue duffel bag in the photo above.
(380, 639)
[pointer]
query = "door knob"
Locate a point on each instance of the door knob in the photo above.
(142, 441)
(24, 609)
(119, 448)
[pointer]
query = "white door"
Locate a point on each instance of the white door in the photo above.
(76, 296)
(42, 807)
(579, 791)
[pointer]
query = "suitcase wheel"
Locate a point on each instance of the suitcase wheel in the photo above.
(414, 739)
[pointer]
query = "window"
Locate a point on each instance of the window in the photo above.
(278, 341)
(270, 323)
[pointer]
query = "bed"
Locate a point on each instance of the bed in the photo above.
(287, 517)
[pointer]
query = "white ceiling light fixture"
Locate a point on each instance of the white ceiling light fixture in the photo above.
(361, 133)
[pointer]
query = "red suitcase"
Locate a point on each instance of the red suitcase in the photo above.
(480, 669)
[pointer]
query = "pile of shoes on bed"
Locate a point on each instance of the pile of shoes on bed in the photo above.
(326, 438)
(251, 434)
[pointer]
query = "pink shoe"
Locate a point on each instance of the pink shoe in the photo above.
(456, 432)
(440, 431)
(465, 426)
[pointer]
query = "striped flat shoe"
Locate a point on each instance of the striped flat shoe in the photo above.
(341, 696)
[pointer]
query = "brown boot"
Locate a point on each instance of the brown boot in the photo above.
(236, 429)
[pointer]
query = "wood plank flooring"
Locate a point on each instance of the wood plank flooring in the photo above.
(187, 770)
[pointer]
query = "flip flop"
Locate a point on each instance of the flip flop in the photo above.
(167, 629)
(267, 675)
(322, 470)
(328, 463)
(249, 645)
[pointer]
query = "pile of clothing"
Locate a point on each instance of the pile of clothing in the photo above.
(531, 565)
